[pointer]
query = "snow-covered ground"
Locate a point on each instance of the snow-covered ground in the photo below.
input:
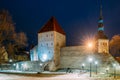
(70, 76)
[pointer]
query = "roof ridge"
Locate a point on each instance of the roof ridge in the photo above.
(52, 25)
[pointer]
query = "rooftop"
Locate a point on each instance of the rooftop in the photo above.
(52, 25)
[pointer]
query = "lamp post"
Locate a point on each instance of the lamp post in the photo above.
(90, 60)
(114, 66)
(107, 70)
(83, 65)
(14, 65)
(90, 46)
(96, 63)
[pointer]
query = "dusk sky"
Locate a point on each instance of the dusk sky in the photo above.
(78, 18)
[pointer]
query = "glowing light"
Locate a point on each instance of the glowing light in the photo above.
(114, 65)
(89, 42)
(90, 59)
(90, 45)
(83, 64)
(14, 64)
(10, 60)
(96, 62)
(41, 64)
(44, 57)
(108, 68)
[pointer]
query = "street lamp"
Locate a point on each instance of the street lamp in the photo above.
(107, 70)
(114, 66)
(41, 64)
(83, 65)
(14, 66)
(90, 60)
(96, 63)
(90, 45)
(10, 60)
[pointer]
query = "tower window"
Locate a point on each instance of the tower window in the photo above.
(49, 51)
(47, 44)
(41, 44)
(46, 35)
(51, 34)
(51, 43)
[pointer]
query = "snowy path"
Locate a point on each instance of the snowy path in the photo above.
(55, 77)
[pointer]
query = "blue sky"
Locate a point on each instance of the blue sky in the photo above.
(77, 17)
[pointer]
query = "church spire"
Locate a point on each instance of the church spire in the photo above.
(101, 34)
(100, 21)
(101, 16)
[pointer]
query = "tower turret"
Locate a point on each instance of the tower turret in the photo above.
(101, 39)
(51, 37)
(100, 33)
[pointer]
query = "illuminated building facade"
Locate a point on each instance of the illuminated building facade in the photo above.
(50, 40)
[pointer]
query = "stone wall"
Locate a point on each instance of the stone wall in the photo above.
(72, 57)
(37, 66)
(59, 41)
(75, 56)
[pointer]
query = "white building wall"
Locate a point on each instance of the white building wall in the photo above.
(45, 46)
(49, 44)
(34, 54)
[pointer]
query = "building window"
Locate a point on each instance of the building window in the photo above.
(51, 43)
(49, 51)
(46, 35)
(47, 44)
(51, 34)
(41, 45)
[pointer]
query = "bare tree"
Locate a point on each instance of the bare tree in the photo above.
(8, 37)
(115, 45)
(3, 54)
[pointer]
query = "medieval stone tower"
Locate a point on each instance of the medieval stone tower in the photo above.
(101, 38)
(50, 39)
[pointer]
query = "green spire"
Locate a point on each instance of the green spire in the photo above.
(100, 21)
(101, 34)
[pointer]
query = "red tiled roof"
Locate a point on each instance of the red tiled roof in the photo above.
(52, 25)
